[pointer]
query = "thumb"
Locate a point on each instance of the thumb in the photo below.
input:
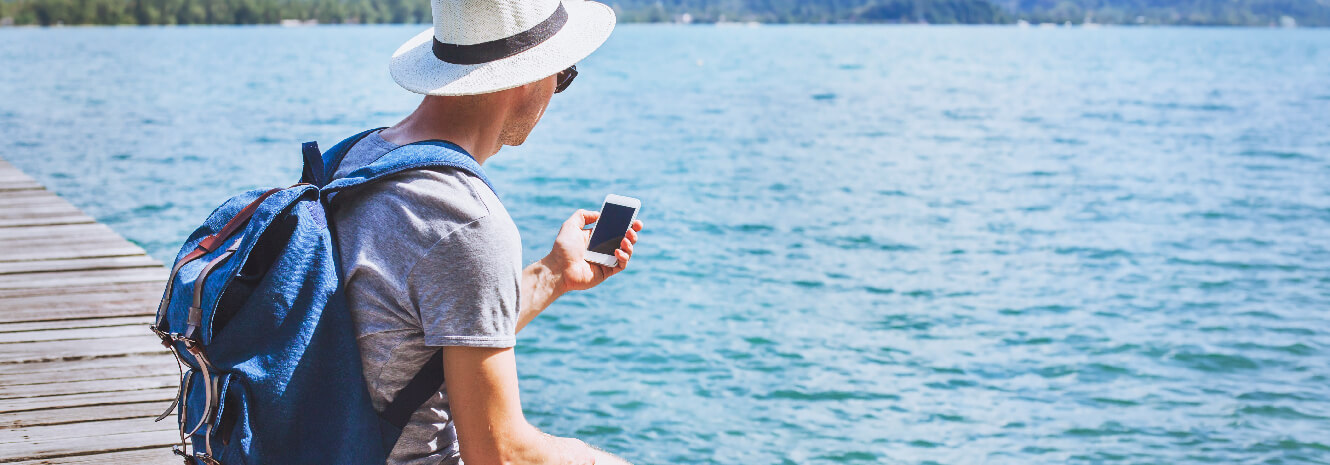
(580, 219)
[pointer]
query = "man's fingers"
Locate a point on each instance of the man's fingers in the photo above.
(581, 218)
(626, 246)
(623, 259)
(631, 236)
(637, 225)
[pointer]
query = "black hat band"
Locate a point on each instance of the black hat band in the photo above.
(486, 52)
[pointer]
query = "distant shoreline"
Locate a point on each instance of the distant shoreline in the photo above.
(1247, 13)
(733, 25)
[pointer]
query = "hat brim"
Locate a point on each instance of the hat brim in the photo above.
(416, 69)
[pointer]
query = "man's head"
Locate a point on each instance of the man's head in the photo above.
(527, 105)
(518, 109)
(494, 64)
(488, 46)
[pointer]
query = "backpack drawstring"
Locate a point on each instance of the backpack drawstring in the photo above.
(209, 388)
(195, 348)
(197, 351)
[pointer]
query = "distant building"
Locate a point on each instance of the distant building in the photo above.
(1287, 22)
(297, 22)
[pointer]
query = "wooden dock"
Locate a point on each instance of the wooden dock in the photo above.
(81, 376)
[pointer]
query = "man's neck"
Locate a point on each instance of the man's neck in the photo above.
(473, 122)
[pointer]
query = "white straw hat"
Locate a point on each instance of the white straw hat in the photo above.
(482, 46)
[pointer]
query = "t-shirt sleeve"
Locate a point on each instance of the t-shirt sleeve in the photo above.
(465, 287)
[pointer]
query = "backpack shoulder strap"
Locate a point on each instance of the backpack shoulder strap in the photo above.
(425, 384)
(429, 154)
(319, 167)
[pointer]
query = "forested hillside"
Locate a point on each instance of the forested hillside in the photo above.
(1185, 12)
(1193, 12)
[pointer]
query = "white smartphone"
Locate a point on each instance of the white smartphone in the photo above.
(616, 216)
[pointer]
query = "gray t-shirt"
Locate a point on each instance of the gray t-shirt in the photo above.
(431, 259)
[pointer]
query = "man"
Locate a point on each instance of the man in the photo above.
(432, 259)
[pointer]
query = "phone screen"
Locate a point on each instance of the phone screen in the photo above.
(610, 229)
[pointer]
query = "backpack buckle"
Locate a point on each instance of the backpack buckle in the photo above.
(177, 450)
(199, 458)
(166, 338)
(196, 459)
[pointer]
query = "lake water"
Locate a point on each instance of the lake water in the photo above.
(864, 245)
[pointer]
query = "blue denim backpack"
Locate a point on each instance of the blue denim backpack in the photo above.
(255, 309)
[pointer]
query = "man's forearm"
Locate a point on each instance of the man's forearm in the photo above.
(572, 450)
(540, 288)
(606, 458)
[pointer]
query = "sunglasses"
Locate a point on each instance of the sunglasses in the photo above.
(565, 78)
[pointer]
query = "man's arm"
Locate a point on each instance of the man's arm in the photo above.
(487, 410)
(566, 269)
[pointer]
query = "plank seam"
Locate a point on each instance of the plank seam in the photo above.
(84, 453)
(80, 392)
(75, 358)
(164, 373)
(70, 422)
(96, 404)
(90, 268)
(34, 330)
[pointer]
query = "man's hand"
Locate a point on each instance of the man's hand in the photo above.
(567, 259)
(566, 269)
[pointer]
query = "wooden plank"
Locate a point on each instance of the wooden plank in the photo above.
(79, 302)
(143, 308)
(35, 250)
(70, 264)
(61, 350)
(146, 308)
(150, 456)
(10, 436)
(53, 239)
(73, 324)
(6, 166)
(61, 279)
(19, 185)
(67, 230)
(138, 328)
(30, 199)
(73, 370)
(91, 290)
(30, 404)
(13, 193)
(36, 241)
(13, 184)
(40, 210)
(80, 374)
(145, 410)
(162, 365)
(54, 218)
(20, 391)
(57, 441)
(16, 196)
(14, 207)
